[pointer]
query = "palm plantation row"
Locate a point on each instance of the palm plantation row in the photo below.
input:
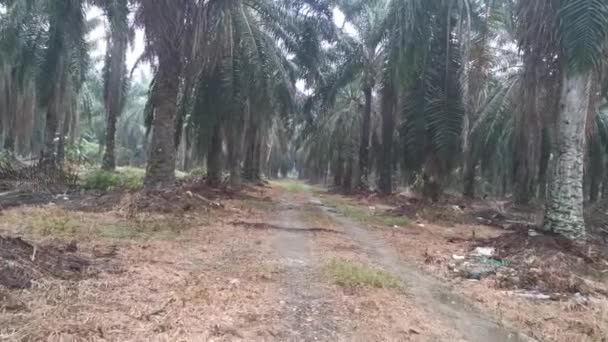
(498, 97)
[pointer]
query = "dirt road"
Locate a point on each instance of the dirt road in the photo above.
(454, 318)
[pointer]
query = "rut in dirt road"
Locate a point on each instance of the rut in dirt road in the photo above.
(427, 291)
(306, 309)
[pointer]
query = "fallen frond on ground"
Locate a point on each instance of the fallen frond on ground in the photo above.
(268, 226)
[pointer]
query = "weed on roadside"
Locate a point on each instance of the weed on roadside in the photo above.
(364, 214)
(56, 222)
(350, 274)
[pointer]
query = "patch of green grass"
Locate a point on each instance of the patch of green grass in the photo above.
(294, 186)
(198, 172)
(391, 221)
(60, 223)
(350, 274)
(181, 174)
(124, 177)
(363, 214)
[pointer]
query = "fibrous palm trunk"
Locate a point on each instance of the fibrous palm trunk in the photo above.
(250, 172)
(388, 127)
(257, 159)
(214, 154)
(109, 159)
(468, 173)
(51, 138)
(529, 136)
(347, 183)
(160, 170)
(339, 169)
(115, 89)
(11, 124)
(235, 151)
(564, 212)
(365, 136)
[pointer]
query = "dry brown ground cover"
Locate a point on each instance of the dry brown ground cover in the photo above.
(181, 275)
(571, 280)
(206, 267)
(276, 263)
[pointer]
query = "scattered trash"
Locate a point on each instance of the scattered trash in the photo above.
(580, 299)
(484, 251)
(478, 264)
(530, 295)
(477, 271)
(421, 225)
(62, 197)
(315, 201)
(492, 261)
(234, 283)
(533, 233)
(457, 209)
(483, 220)
(395, 226)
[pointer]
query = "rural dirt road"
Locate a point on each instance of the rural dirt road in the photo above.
(313, 317)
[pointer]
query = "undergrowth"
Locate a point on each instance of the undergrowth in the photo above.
(59, 223)
(350, 274)
(365, 214)
(294, 186)
(129, 178)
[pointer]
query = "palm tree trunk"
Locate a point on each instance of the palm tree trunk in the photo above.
(257, 158)
(109, 160)
(65, 129)
(468, 173)
(564, 212)
(594, 187)
(365, 136)
(115, 88)
(50, 132)
(235, 151)
(250, 154)
(528, 138)
(9, 137)
(214, 157)
(604, 191)
(468, 167)
(388, 127)
(160, 170)
(10, 121)
(347, 183)
(339, 169)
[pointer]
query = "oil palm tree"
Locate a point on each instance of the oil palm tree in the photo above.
(117, 12)
(362, 55)
(46, 40)
(165, 22)
(421, 83)
(583, 35)
(329, 140)
(235, 43)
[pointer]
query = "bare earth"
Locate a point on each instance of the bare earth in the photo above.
(257, 268)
